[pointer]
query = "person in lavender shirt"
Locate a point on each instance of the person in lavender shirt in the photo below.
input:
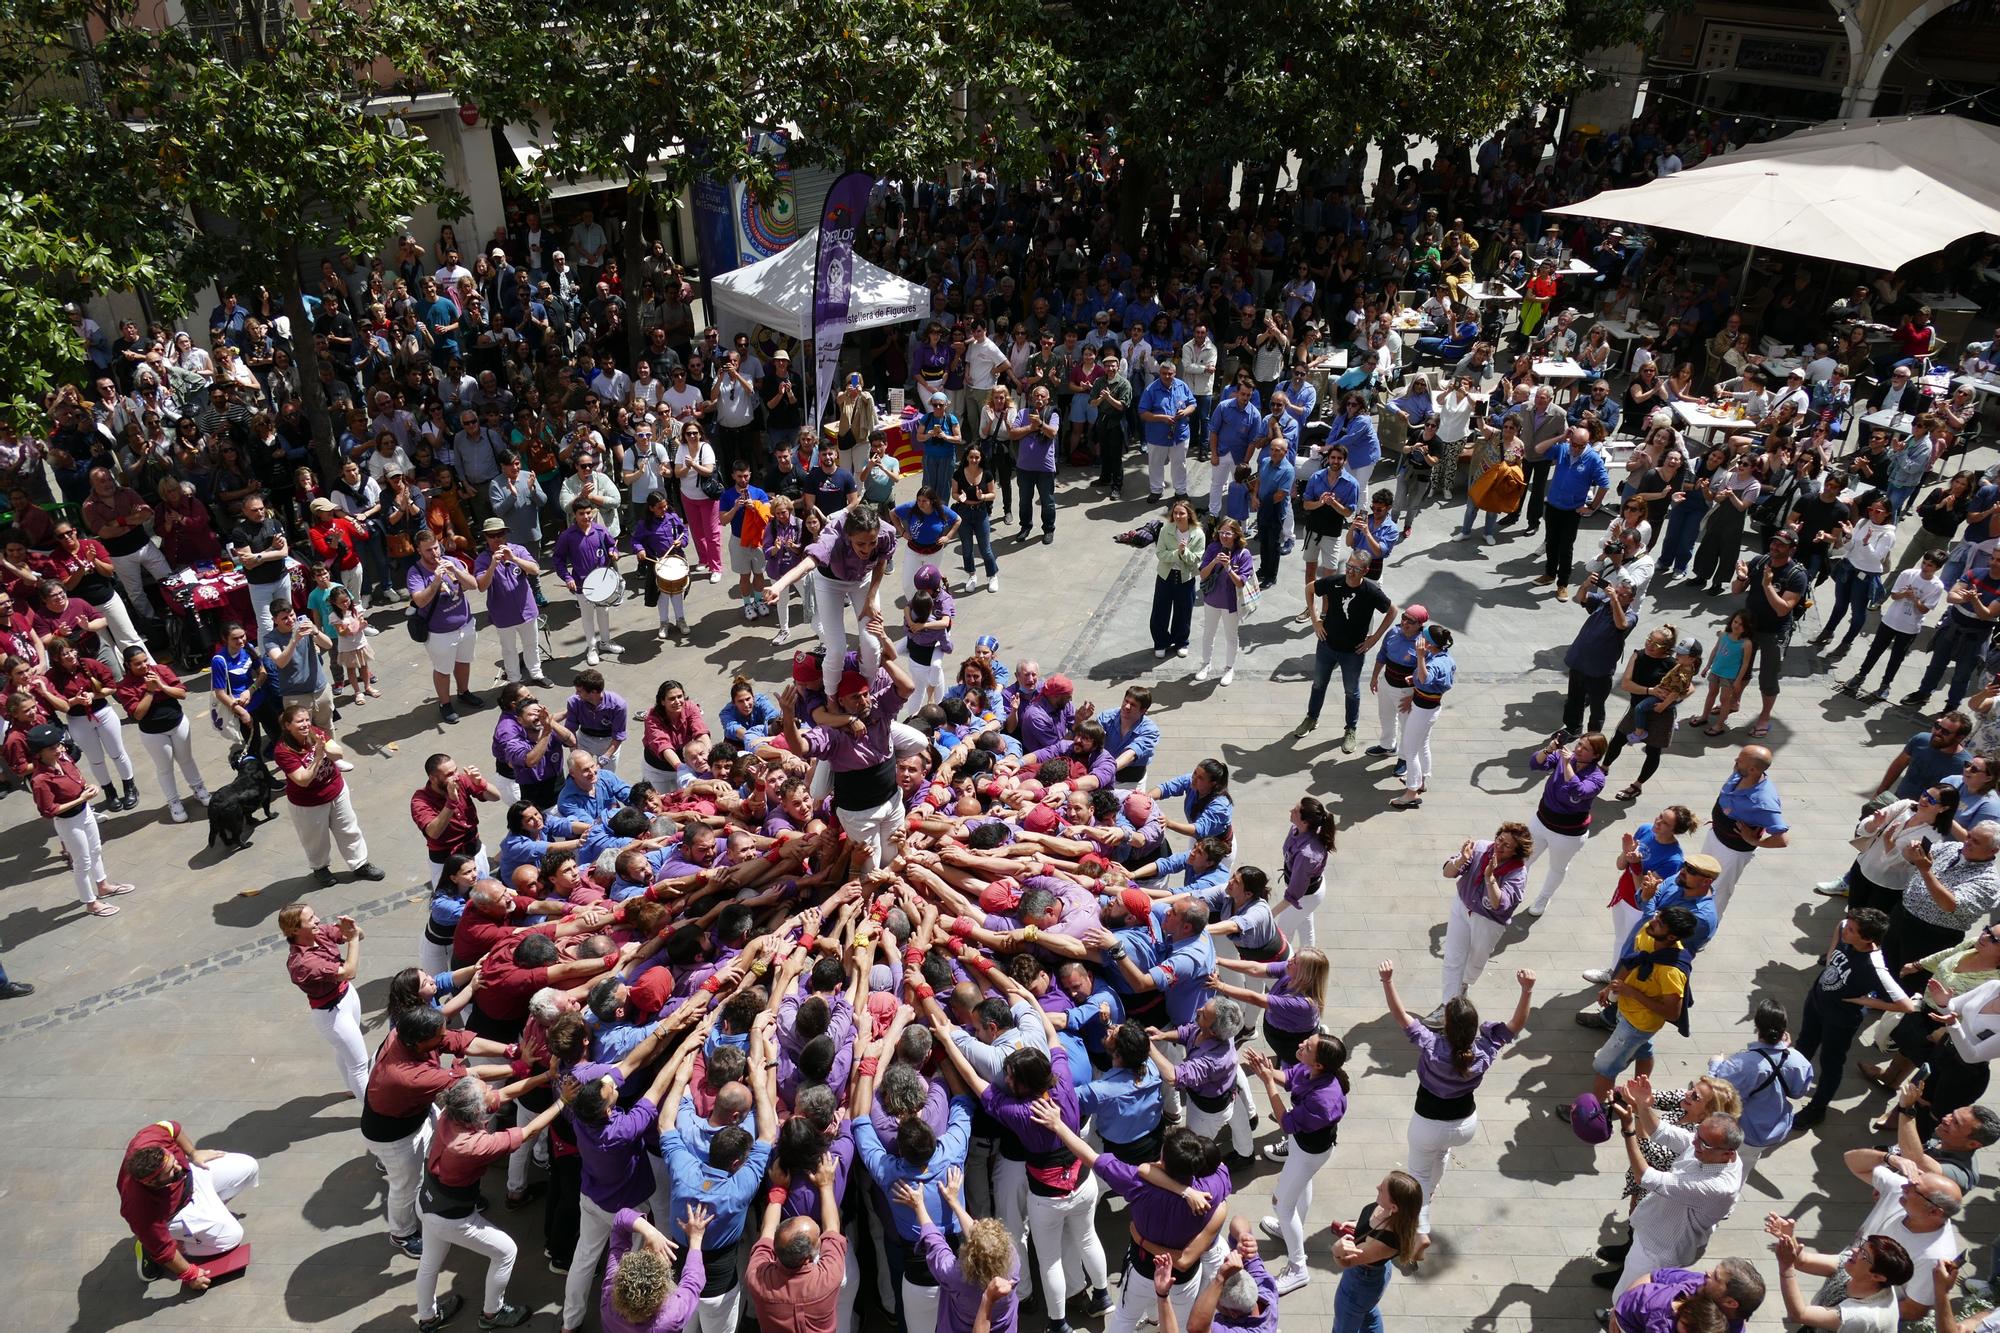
(1035, 430)
(986, 1262)
(507, 574)
(865, 797)
(1309, 842)
(1241, 1298)
(1309, 1104)
(1226, 568)
(640, 1295)
(1450, 1066)
(438, 584)
(585, 547)
(1653, 1305)
(1561, 821)
(598, 718)
(1205, 1077)
(1292, 1005)
(1492, 874)
(845, 565)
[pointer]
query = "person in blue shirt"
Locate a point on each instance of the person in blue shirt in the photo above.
(1276, 475)
(726, 1182)
(1204, 794)
(242, 683)
(1166, 408)
(1578, 479)
(1329, 499)
(529, 839)
(747, 559)
(1130, 737)
(1095, 1013)
(1187, 962)
(1200, 866)
(1432, 675)
(1977, 801)
(1767, 1074)
(1354, 431)
(1235, 432)
(938, 431)
(588, 793)
(1297, 397)
(748, 717)
(1376, 533)
(1124, 1103)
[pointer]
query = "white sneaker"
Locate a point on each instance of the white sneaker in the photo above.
(614, 650)
(1180, 652)
(1291, 1279)
(590, 657)
(782, 637)
(1596, 976)
(201, 794)
(343, 765)
(370, 631)
(662, 635)
(749, 611)
(993, 584)
(1228, 676)
(1201, 672)
(1269, 1226)
(1485, 539)
(177, 812)
(715, 576)
(973, 583)
(1159, 652)
(1537, 908)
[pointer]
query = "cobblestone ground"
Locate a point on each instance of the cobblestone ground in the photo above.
(179, 1007)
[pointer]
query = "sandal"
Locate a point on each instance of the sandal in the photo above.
(1701, 721)
(1761, 729)
(102, 909)
(1713, 729)
(1631, 793)
(373, 693)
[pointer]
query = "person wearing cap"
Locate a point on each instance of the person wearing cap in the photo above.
(63, 796)
(584, 548)
(939, 432)
(1772, 585)
(506, 573)
(866, 799)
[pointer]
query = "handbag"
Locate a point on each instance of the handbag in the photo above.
(1247, 598)
(417, 620)
(709, 485)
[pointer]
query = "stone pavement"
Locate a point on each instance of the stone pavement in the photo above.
(179, 1007)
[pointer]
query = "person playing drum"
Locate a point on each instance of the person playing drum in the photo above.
(584, 548)
(660, 539)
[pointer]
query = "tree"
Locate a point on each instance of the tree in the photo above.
(665, 94)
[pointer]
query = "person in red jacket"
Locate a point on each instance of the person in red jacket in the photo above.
(175, 1197)
(336, 543)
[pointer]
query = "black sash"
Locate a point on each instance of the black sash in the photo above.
(451, 1202)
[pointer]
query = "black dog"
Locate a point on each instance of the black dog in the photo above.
(232, 811)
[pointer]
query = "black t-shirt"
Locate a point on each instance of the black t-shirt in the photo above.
(1757, 607)
(261, 537)
(1818, 516)
(1349, 613)
(789, 413)
(1365, 1230)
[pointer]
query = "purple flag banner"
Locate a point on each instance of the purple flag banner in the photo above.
(833, 280)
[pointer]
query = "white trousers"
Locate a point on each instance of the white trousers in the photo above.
(1624, 916)
(320, 827)
(79, 833)
(1733, 863)
(1064, 1229)
(718, 1314)
(1292, 1197)
(1219, 477)
(261, 597)
(128, 568)
(929, 678)
(874, 829)
(1298, 922)
(1136, 1301)
(1232, 625)
(403, 1167)
(596, 621)
(1210, 1124)
(1415, 747)
(1010, 1204)
(204, 1227)
(1430, 1142)
(1641, 1261)
(673, 609)
(340, 1028)
(474, 1233)
(662, 780)
(602, 747)
(832, 599)
(433, 958)
(102, 741)
(593, 1236)
(169, 748)
(1559, 848)
(1159, 458)
(920, 1306)
(1469, 940)
(517, 1160)
(1388, 708)
(520, 651)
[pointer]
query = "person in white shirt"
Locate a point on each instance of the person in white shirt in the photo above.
(986, 364)
(1794, 392)
(1914, 595)
(1857, 577)
(1683, 1204)
(1912, 1207)
(1199, 357)
(610, 385)
(1820, 369)
(681, 401)
(1668, 163)
(1868, 1274)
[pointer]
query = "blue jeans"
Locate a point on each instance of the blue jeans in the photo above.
(1357, 1301)
(1034, 485)
(1683, 531)
(1173, 613)
(1325, 658)
(1900, 497)
(1851, 588)
(1957, 646)
(1625, 1045)
(1493, 518)
(975, 538)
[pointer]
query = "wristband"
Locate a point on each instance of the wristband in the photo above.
(193, 1272)
(980, 964)
(1630, 1134)
(1116, 953)
(869, 1065)
(759, 968)
(962, 927)
(913, 958)
(807, 940)
(713, 985)
(955, 947)
(776, 1194)
(513, 1051)
(923, 990)
(520, 1068)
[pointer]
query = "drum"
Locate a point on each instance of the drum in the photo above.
(671, 573)
(603, 587)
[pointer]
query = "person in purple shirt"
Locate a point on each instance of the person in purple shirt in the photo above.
(506, 574)
(1241, 1298)
(585, 547)
(1044, 716)
(1310, 1104)
(654, 534)
(1562, 820)
(1036, 428)
(530, 746)
(1450, 1066)
(640, 1295)
(614, 1141)
(1176, 1208)
(987, 1261)
(1091, 766)
(846, 564)
(438, 584)
(598, 718)
(1292, 1005)
(1492, 874)
(866, 799)
(1206, 1074)
(1653, 1304)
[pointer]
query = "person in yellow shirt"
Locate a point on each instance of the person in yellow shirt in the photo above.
(1650, 986)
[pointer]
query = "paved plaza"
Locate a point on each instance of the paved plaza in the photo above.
(179, 1007)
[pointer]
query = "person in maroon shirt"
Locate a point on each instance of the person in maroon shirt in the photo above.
(322, 964)
(175, 1197)
(78, 689)
(58, 615)
(154, 698)
(62, 795)
(409, 1074)
(443, 811)
(17, 631)
(493, 913)
(515, 969)
(316, 794)
(452, 1210)
(24, 714)
(84, 569)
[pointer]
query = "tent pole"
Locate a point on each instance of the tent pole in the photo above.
(1743, 278)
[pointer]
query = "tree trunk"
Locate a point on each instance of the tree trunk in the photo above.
(632, 243)
(1134, 194)
(305, 355)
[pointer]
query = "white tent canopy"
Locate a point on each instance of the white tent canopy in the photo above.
(778, 294)
(1877, 193)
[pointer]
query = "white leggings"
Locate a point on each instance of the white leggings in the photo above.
(79, 834)
(520, 647)
(169, 748)
(1430, 1141)
(831, 600)
(1560, 849)
(1388, 708)
(1469, 940)
(1293, 1197)
(673, 609)
(596, 622)
(1231, 622)
(1415, 747)
(204, 1227)
(929, 678)
(1064, 1229)
(102, 741)
(1297, 921)
(474, 1233)
(340, 1026)
(875, 829)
